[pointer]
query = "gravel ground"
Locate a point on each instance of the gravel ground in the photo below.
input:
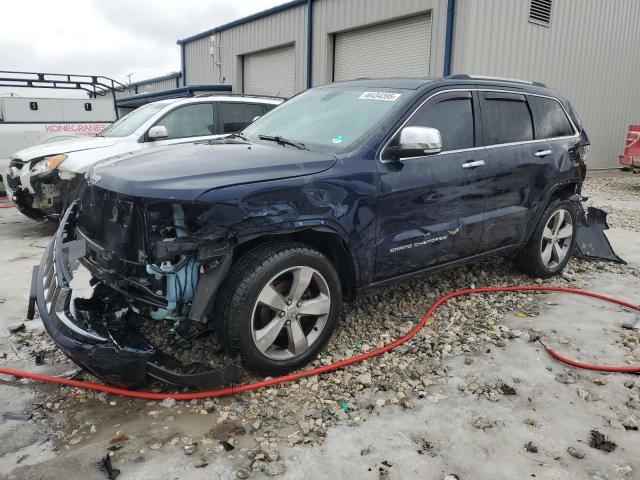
(249, 432)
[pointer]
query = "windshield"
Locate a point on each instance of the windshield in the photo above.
(331, 119)
(131, 121)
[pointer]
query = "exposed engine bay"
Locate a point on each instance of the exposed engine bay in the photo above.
(153, 253)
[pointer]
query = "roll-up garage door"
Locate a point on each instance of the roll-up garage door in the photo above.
(271, 72)
(400, 48)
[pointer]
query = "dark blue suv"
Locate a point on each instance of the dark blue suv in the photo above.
(262, 234)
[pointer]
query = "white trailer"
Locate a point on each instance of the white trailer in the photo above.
(26, 122)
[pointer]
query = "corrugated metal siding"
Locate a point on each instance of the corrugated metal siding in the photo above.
(199, 65)
(276, 30)
(334, 16)
(150, 87)
(590, 54)
(397, 48)
(270, 72)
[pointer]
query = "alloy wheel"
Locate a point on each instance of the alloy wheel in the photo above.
(290, 313)
(556, 239)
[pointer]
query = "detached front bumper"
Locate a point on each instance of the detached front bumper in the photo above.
(117, 354)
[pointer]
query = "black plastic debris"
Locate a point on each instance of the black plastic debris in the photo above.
(591, 242)
(227, 446)
(18, 417)
(16, 328)
(39, 358)
(507, 389)
(599, 441)
(107, 468)
(530, 447)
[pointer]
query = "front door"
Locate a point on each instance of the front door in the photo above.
(188, 123)
(431, 208)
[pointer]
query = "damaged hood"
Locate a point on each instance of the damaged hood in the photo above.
(184, 172)
(67, 145)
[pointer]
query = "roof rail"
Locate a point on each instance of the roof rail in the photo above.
(229, 94)
(464, 76)
(95, 85)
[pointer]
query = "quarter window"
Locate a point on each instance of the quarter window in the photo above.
(506, 119)
(189, 121)
(452, 116)
(234, 116)
(551, 119)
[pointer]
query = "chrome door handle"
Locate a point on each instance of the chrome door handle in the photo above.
(543, 153)
(475, 164)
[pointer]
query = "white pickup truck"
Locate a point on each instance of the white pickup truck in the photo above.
(28, 121)
(41, 181)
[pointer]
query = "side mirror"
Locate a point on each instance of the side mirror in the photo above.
(416, 142)
(255, 118)
(157, 133)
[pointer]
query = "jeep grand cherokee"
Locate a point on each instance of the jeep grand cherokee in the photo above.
(260, 235)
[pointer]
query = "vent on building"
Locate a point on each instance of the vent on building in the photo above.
(540, 12)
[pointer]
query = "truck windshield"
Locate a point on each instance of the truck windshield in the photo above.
(131, 121)
(331, 119)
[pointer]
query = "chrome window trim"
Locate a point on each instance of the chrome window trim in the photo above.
(538, 140)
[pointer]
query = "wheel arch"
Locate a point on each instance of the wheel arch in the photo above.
(568, 190)
(322, 238)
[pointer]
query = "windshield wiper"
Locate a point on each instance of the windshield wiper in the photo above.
(283, 141)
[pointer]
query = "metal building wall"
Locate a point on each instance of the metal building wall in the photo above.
(589, 53)
(334, 16)
(149, 87)
(278, 29)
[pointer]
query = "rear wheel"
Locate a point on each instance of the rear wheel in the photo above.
(550, 247)
(279, 306)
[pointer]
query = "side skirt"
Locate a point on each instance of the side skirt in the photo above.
(502, 252)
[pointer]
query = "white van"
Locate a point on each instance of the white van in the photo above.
(25, 121)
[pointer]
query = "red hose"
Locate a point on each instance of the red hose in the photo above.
(343, 363)
(7, 205)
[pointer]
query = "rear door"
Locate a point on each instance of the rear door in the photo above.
(521, 167)
(430, 208)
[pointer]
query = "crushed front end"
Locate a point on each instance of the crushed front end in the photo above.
(36, 187)
(145, 264)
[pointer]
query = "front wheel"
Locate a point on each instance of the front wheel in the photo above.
(551, 245)
(279, 307)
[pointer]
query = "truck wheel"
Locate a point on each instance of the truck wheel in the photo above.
(278, 307)
(551, 245)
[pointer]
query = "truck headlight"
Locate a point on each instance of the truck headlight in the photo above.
(48, 164)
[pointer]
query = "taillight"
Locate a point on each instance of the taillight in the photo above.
(583, 153)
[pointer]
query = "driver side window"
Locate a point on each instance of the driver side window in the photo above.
(189, 121)
(452, 115)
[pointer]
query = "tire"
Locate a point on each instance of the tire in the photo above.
(541, 257)
(252, 307)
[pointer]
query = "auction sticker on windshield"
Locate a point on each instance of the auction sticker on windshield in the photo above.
(384, 96)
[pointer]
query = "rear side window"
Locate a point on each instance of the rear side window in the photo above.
(234, 116)
(506, 118)
(551, 119)
(452, 115)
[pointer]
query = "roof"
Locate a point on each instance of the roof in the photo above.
(240, 21)
(169, 76)
(182, 92)
(183, 95)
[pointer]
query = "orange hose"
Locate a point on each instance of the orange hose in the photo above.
(343, 363)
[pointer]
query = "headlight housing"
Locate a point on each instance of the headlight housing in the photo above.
(48, 164)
